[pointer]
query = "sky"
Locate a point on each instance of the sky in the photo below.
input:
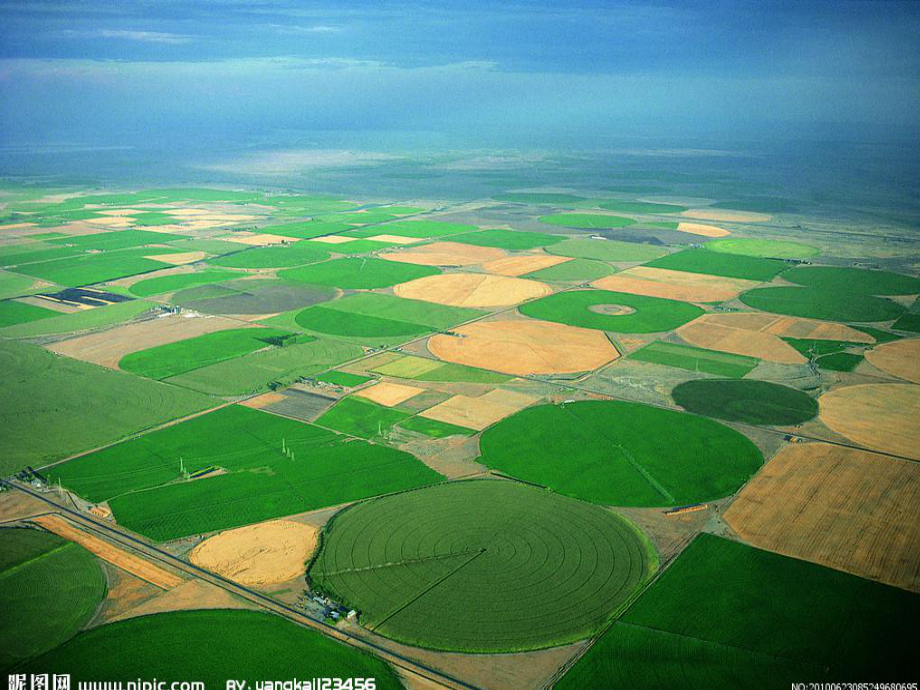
(119, 72)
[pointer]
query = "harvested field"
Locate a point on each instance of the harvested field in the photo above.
(395, 239)
(900, 358)
(262, 554)
(881, 417)
(463, 573)
(526, 347)
(522, 264)
(127, 561)
(178, 259)
(760, 335)
(260, 402)
(259, 240)
(702, 229)
(726, 215)
(388, 394)
(680, 285)
(472, 290)
(480, 412)
(445, 254)
(108, 347)
(844, 508)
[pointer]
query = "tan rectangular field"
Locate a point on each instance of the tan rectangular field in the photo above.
(108, 347)
(844, 508)
(110, 553)
(478, 413)
(522, 264)
(388, 394)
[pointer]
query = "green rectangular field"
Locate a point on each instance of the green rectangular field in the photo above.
(52, 406)
(434, 316)
(88, 269)
(257, 372)
(180, 281)
(84, 320)
(31, 255)
(784, 619)
(361, 418)
(183, 356)
(343, 378)
(696, 359)
(720, 264)
(12, 285)
(119, 239)
(415, 228)
(434, 428)
(422, 369)
(143, 478)
(13, 313)
(305, 230)
(508, 239)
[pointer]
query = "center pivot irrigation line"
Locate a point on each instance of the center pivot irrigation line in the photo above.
(408, 561)
(298, 617)
(427, 589)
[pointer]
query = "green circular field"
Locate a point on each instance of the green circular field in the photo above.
(740, 400)
(481, 566)
(769, 249)
(169, 646)
(49, 589)
(853, 280)
(359, 273)
(284, 256)
(606, 310)
(621, 453)
(606, 250)
(574, 271)
(587, 221)
(817, 303)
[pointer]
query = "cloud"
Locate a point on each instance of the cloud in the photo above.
(131, 35)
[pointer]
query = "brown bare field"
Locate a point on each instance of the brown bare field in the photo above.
(112, 221)
(472, 290)
(702, 229)
(396, 239)
(110, 553)
(263, 554)
(16, 226)
(388, 394)
(445, 254)
(53, 304)
(478, 413)
(900, 358)
(521, 264)
(739, 341)
(109, 346)
(726, 216)
(844, 508)
(264, 400)
(16, 505)
(662, 282)
(190, 595)
(879, 416)
(178, 259)
(333, 239)
(261, 240)
(759, 335)
(525, 347)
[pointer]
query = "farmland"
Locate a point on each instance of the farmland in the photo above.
(261, 646)
(296, 254)
(87, 269)
(157, 286)
(487, 565)
(138, 477)
(853, 280)
(684, 631)
(695, 359)
(507, 239)
(771, 249)
(587, 221)
(49, 589)
(606, 250)
(752, 402)
(615, 453)
(604, 310)
(50, 422)
(357, 273)
(252, 296)
(721, 264)
(821, 303)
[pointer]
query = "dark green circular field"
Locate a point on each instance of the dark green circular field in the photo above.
(741, 400)
(771, 249)
(606, 310)
(49, 589)
(254, 646)
(821, 303)
(621, 453)
(481, 566)
(853, 280)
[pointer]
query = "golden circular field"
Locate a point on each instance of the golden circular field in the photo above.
(472, 290)
(900, 358)
(879, 416)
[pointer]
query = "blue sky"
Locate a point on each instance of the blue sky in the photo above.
(119, 70)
